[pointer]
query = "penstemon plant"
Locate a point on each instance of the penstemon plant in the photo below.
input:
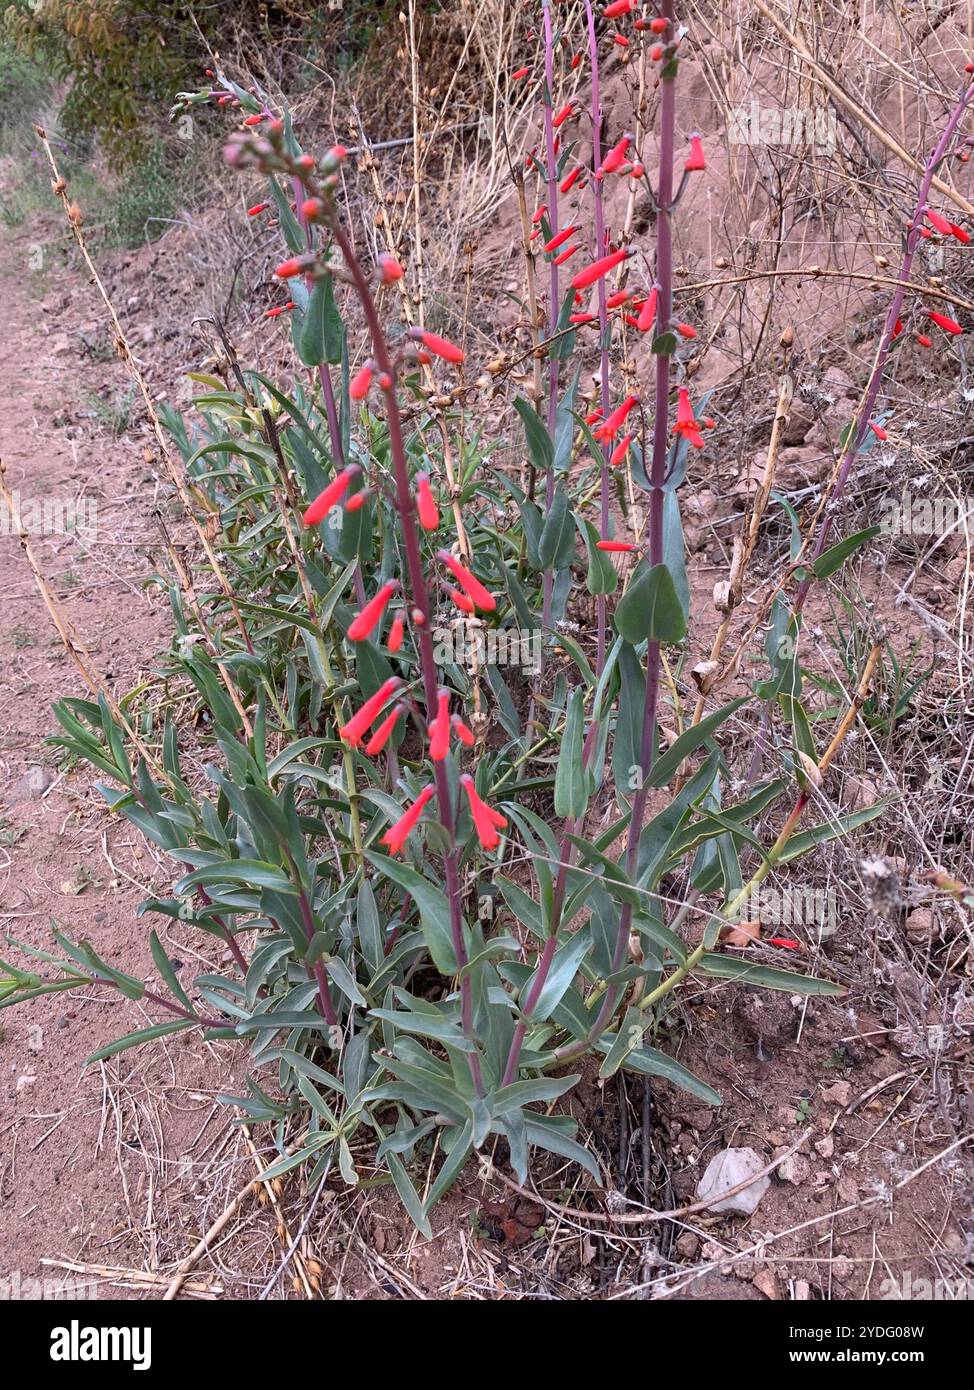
(424, 929)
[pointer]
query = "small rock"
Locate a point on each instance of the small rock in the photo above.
(726, 1170)
(767, 1284)
(803, 1291)
(712, 1252)
(839, 1094)
(920, 926)
(32, 785)
(825, 1148)
(687, 1245)
(794, 1169)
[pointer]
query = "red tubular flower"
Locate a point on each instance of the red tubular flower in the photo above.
(561, 116)
(620, 451)
(942, 321)
(620, 40)
(614, 300)
(576, 61)
(485, 820)
(398, 833)
(521, 72)
(462, 602)
(959, 233)
(618, 8)
(333, 493)
(361, 381)
(253, 120)
(439, 347)
(786, 941)
(389, 268)
(363, 719)
(565, 255)
(686, 421)
(897, 329)
(659, 25)
(365, 621)
(599, 268)
(616, 156)
(429, 516)
(471, 586)
(647, 314)
(570, 179)
(383, 733)
(924, 341)
(538, 215)
(257, 209)
(878, 431)
(939, 223)
(358, 500)
(594, 416)
(582, 318)
(440, 729)
(396, 633)
(560, 238)
(464, 734)
(616, 547)
(616, 420)
(297, 265)
(695, 159)
(685, 330)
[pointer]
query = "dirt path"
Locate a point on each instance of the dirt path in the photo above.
(89, 1157)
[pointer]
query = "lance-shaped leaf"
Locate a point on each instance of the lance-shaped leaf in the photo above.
(571, 796)
(650, 609)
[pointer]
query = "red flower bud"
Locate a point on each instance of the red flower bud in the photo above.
(312, 209)
(333, 493)
(383, 733)
(565, 255)
(396, 633)
(538, 215)
(464, 734)
(351, 733)
(440, 731)
(659, 25)
(364, 623)
(615, 547)
(959, 233)
(440, 347)
(685, 330)
(253, 120)
(521, 72)
(614, 300)
(560, 238)
(389, 267)
(358, 500)
(582, 318)
(942, 321)
(462, 602)
(398, 833)
(878, 431)
(429, 516)
(939, 223)
(257, 209)
(620, 40)
(618, 8)
(599, 268)
(616, 156)
(359, 386)
(570, 179)
(695, 159)
(656, 52)
(924, 341)
(562, 116)
(647, 314)
(620, 451)
(471, 586)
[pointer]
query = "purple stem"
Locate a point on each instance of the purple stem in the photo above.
(600, 250)
(551, 170)
(406, 507)
(855, 441)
